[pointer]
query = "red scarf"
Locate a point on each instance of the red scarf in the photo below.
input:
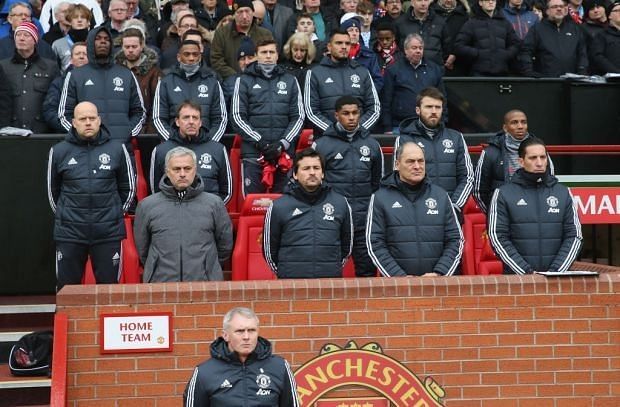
(355, 49)
(386, 56)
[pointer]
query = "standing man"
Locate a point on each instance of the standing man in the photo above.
(242, 370)
(112, 88)
(182, 233)
(519, 15)
(90, 185)
(533, 224)
(605, 55)
(268, 113)
(412, 227)
(353, 168)
(213, 165)
(335, 76)
(308, 232)
(278, 17)
(446, 156)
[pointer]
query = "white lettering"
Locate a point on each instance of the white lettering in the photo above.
(366, 159)
(355, 85)
(553, 210)
(118, 89)
(283, 92)
(448, 150)
(432, 212)
(263, 392)
(328, 217)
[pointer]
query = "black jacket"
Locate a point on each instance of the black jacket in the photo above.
(267, 109)
(413, 231)
(112, 88)
(328, 81)
(433, 30)
(353, 167)
(308, 235)
(212, 159)
(264, 379)
(447, 159)
(90, 184)
(203, 88)
(605, 51)
(551, 51)
(488, 44)
(533, 224)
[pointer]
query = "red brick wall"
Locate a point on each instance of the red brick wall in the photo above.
(502, 340)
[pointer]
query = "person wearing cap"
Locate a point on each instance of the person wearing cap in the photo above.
(360, 52)
(29, 76)
(20, 12)
(227, 38)
(605, 54)
(268, 113)
(594, 19)
(246, 54)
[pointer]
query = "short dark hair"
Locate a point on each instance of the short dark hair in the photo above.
(188, 42)
(266, 41)
(337, 31)
(303, 15)
(432, 93)
(191, 31)
(132, 32)
(307, 152)
(385, 26)
(530, 141)
(188, 103)
(347, 100)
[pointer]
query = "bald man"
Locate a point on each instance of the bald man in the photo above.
(90, 187)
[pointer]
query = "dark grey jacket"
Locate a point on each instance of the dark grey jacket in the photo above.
(413, 231)
(308, 235)
(533, 224)
(182, 239)
(433, 30)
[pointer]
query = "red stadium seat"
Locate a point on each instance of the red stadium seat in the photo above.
(306, 138)
(348, 271)
(236, 200)
(474, 233)
(489, 264)
(142, 190)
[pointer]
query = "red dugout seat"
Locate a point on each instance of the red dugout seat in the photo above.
(477, 242)
(142, 190)
(236, 200)
(306, 138)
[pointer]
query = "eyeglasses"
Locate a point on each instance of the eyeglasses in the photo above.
(188, 26)
(26, 15)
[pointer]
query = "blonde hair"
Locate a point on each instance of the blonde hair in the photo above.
(303, 40)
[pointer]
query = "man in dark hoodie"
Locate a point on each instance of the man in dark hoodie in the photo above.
(242, 371)
(90, 185)
(308, 232)
(353, 168)
(533, 224)
(112, 88)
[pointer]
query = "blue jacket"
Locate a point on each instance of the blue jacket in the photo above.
(413, 231)
(520, 18)
(533, 224)
(368, 58)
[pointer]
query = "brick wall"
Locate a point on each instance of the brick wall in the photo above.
(502, 340)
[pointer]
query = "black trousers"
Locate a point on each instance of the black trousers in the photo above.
(364, 267)
(71, 261)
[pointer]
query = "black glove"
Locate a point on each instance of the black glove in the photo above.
(273, 151)
(261, 145)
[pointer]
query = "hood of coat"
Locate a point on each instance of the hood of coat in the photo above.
(90, 46)
(220, 350)
(102, 137)
(197, 188)
(151, 60)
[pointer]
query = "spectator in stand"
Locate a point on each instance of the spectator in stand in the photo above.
(187, 24)
(337, 75)
(91, 184)
(366, 13)
(268, 113)
(170, 15)
(575, 10)
(144, 64)
(555, 46)
(404, 81)
(308, 232)
(227, 38)
(446, 155)
(606, 47)
(79, 57)
(16, 13)
(246, 54)
(432, 28)
(259, 16)
(487, 42)
(533, 224)
(185, 20)
(29, 76)
(299, 53)
(117, 14)
(305, 24)
(190, 79)
(112, 88)
(393, 10)
(520, 17)
(456, 13)
(594, 20)
(78, 17)
(213, 164)
(61, 26)
(211, 12)
(386, 47)
(353, 168)
(324, 19)
(278, 17)
(20, 12)
(412, 227)
(182, 233)
(148, 16)
(539, 9)
(360, 53)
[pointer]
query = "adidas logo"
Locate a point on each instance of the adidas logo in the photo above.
(257, 86)
(297, 212)
(329, 80)
(177, 89)
(396, 205)
(521, 202)
(89, 83)
(225, 384)
(72, 161)
(116, 256)
(338, 157)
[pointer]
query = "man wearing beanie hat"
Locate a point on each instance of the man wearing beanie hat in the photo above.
(29, 76)
(20, 12)
(359, 52)
(246, 54)
(605, 51)
(594, 19)
(227, 38)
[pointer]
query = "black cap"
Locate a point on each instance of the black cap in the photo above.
(246, 48)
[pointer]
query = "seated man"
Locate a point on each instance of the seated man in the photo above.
(182, 233)
(412, 227)
(308, 232)
(533, 224)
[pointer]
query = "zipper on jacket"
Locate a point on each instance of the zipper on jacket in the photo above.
(180, 203)
(90, 195)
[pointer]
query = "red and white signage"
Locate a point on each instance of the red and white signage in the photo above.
(136, 332)
(597, 205)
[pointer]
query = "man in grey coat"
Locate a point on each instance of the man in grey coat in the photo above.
(182, 233)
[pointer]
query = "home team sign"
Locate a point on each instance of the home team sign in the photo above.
(128, 333)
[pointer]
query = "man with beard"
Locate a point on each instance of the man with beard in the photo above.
(112, 88)
(308, 231)
(447, 160)
(337, 75)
